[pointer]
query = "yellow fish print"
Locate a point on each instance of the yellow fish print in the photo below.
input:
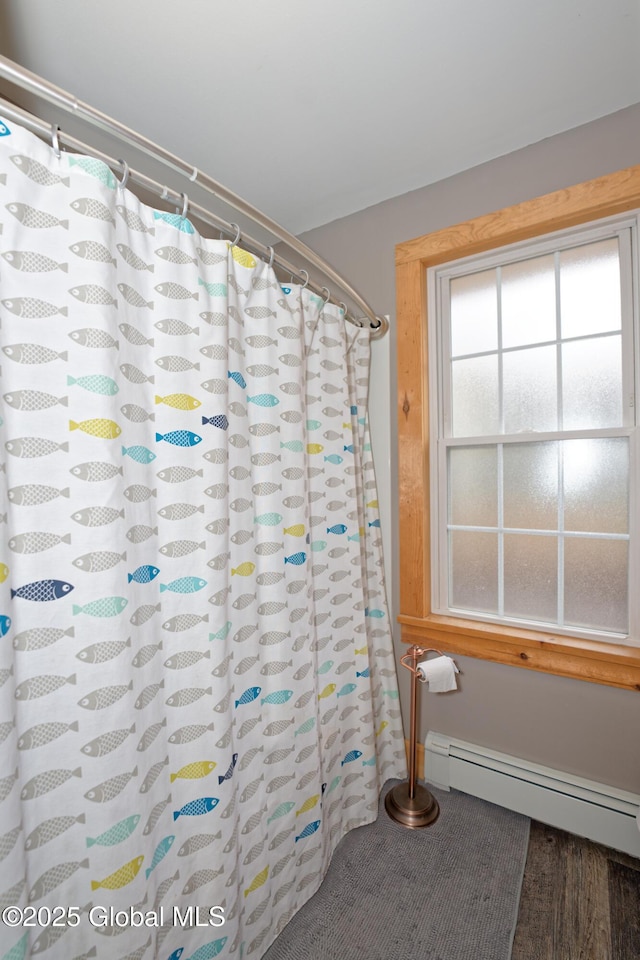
(381, 728)
(4, 572)
(257, 881)
(314, 448)
(106, 429)
(121, 877)
(297, 530)
(328, 690)
(245, 569)
(361, 651)
(243, 258)
(181, 401)
(193, 771)
(308, 804)
(373, 504)
(347, 426)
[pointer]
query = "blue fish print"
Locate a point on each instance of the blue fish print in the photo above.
(348, 447)
(180, 438)
(373, 613)
(229, 772)
(374, 523)
(286, 290)
(184, 585)
(174, 220)
(239, 379)
(337, 528)
(176, 954)
(308, 830)
(296, 559)
(43, 590)
(161, 851)
(333, 458)
(143, 574)
(4, 129)
(139, 454)
(354, 409)
(209, 950)
(264, 400)
(5, 624)
(214, 289)
(352, 755)
(280, 696)
(249, 695)
(348, 688)
(196, 808)
(363, 673)
(219, 421)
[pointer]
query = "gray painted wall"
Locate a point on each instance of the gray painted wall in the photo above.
(583, 728)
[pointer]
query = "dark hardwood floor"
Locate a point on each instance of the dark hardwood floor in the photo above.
(580, 900)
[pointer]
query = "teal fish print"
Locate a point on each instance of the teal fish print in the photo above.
(180, 438)
(373, 613)
(222, 633)
(268, 519)
(143, 574)
(95, 383)
(209, 950)
(264, 400)
(214, 289)
(184, 585)
(371, 762)
(160, 853)
(296, 559)
(318, 545)
(104, 607)
(296, 446)
(280, 696)
(308, 830)
(375, 523)
(347, 689)
(237, 377)
(174, 220)
(117, 834)
(196, 808)
(306, 726)
(95, 168)
(281, 810)
(333, 458)
(19, 950)
(249, 695)
(139, 453)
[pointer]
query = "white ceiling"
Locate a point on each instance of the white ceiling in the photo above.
(314, 111)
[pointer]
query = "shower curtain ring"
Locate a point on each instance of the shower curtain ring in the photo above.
(55, 143)
(306, 279)
(237, 229)
(328, 297)
(272, 255)
(125, 174)
(185, 206)
(343, 305)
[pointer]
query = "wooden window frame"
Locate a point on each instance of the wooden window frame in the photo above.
(602, 662)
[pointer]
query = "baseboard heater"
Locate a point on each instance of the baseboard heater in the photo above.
(583, 807)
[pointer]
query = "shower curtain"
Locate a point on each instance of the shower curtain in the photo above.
(198, 694)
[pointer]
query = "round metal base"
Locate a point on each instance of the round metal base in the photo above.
(419, 811)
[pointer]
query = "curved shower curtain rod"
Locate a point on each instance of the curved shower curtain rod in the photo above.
(48, 91)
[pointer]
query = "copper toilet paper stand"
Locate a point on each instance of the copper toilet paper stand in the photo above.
(409, 803)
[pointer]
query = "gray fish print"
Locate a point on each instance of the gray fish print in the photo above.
(219, 455)
(43, 733)
(50, 829)
(214, 386)
(249, 756)
(93, 293)
(8, 841)
(245, 632)
(35, 219)
(153, 775)
(164, 888)
(36, 541)
(92, 250)
(248, 726)
(181, 698)
(214, 352)
(220, 563)
(180, 548)
(219, 526)
(260, 313)
(146, 654)
(250, 790)
(218, 491)
(275, 667)
(200, 878)
(180, 511)
(31, 308)
(268, 548)
(150, 735)
(186, 658)
(38, 637)
(225, 739)
(133, 297)
(303, 700)
(45, 782)
(148, 694)
(41, 686)
(37, 171)
(178, 474)
(6, 728)
(155, 815)
(133, 221)
(213, 318)
(175, 291)
(144, 613)
(277, 727)
(104, 792)
(134, 375)
(246, 664)
(219, 599)
(107, 742)
(184, 621)
(133, 259)
(135, 336)
(174, 255)
(138, 493)
(198, 842)
(105, 696)
(176, 328)
(29, 261)
(141, 532)
(97, 516)
(241, 537)
(209, 258)
(88, 207)
(175, 364)
(221, 671)
(103, 651)
(94, 338)
(33, 400)
(53, 877)
(190, 732)
(26, 448)
(136, 414)
(98, 561)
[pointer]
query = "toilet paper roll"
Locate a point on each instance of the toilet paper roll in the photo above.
(440, 674)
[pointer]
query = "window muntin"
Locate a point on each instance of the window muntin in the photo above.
(534, 419)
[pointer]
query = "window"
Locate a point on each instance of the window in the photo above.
(518, 520)
(532, 407)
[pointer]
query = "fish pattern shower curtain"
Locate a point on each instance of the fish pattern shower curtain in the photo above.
(198, 694)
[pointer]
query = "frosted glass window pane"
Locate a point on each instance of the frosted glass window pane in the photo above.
(596, 484)
(592, 383)
(473, 478)
(596, 592)
(529, 302)
(474, 313)
(474, 571)
(530, 395)
(590, 289)
(475, 396)
(531, 577)
(530, 472)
